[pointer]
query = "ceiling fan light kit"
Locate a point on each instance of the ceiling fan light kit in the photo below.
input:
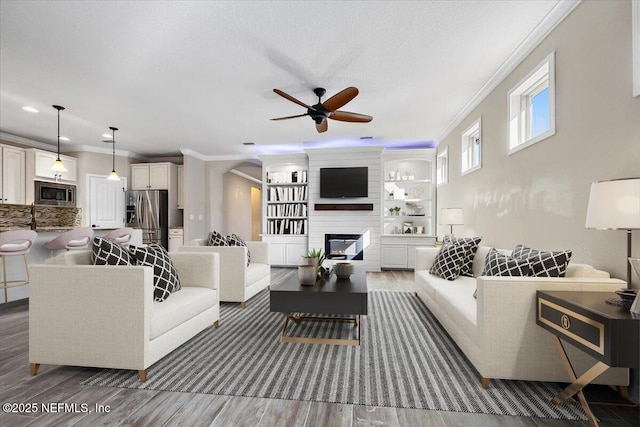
(328, 109)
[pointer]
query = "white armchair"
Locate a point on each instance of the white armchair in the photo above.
(238, 282)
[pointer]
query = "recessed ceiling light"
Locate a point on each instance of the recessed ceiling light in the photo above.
(248, 143)
(106, 135)
(64, 138)
(30, 109)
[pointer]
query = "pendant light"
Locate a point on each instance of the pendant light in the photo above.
(57, 165)
(113, 176)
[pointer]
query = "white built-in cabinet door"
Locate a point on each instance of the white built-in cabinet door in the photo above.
(180, 187)
(295, 252)
(393, 256)
(277, 253)
(139, 177)
(44, 160)
(13, 178)
(159, 176)
(107, 202)
(149, 176)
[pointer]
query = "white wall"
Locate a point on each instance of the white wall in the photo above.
(347, 222)
(238, 208)
(538, 196)
(194, 188)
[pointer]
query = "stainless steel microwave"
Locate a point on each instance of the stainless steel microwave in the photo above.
(50, 193)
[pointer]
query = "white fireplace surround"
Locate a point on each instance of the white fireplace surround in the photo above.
(366, 223)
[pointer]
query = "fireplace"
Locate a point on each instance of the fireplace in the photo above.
(343, 246)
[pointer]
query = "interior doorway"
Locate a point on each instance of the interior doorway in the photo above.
(256, 213)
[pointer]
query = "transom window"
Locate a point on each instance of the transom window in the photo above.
(532, 107)
(471, 148)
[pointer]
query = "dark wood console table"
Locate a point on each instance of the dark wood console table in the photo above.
(608, 333)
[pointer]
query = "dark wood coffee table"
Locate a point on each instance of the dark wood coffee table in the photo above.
(329, 296)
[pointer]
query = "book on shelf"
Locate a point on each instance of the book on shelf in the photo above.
(287, 194)
(292, 177)
(287, 226)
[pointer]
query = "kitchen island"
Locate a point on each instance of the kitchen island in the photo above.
(39, 254)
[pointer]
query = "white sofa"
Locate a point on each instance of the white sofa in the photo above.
(238, 281)
(497, 331)
(105, 316)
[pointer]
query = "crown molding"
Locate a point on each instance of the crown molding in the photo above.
(560, 11)
(108, 151)
(67, 148)
(245, 176)
(193, 153)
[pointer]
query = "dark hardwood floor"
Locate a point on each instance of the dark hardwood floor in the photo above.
(57, 386)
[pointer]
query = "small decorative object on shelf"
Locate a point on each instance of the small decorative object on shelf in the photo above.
(394, 211)
(407, 227)
(343, 270)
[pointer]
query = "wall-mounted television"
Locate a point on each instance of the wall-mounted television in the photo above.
(340, 183)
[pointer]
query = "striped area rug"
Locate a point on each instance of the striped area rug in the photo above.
(406, 360)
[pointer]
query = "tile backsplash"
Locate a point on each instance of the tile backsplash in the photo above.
(46, 216)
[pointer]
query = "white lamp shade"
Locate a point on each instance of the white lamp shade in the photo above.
(58, 166)
(614, 205)
(113, 176)
(451, 216)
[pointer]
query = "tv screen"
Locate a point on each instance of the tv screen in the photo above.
(344, 182)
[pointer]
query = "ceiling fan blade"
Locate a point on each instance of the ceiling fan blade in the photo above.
(340, 98)
(291, 117)
(292, 99)
(322, 127)
(345, 116)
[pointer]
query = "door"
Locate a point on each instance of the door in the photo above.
(106, 202)
(139, 177)
(159, 177)
(13, 175)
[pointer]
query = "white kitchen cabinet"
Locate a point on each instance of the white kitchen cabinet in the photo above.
(45, 159)
(180, 187)
(176, 239)
(13, 175)
(151, 176)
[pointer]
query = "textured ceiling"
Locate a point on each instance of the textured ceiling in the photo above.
(199, 75)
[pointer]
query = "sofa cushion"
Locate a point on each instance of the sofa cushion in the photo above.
(165, 276)
(584, 270)
(216, 239)
(108, 252)
(256, 272)
(497, 264)
(456, 300)
(544, 263)
(184, 304)
(472, 242)
(448, 261)
(234, 240)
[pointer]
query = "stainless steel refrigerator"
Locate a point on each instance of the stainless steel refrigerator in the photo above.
(148, 210)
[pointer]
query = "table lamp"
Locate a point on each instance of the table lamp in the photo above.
(451, 217)
(615, 205)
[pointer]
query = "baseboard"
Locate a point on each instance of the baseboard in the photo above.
(13, 304)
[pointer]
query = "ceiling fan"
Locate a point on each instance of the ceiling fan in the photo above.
(327, 109)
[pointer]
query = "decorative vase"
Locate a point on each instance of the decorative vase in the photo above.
(309, 260)
(307, 275)
(343, 270)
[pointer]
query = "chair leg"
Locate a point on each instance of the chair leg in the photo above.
(142, 374)
(26, 267)
(216, 324)
(33, 368)
(243, 304)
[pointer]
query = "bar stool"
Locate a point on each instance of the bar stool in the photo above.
(121, 235)
(78, 238)
(13, 243)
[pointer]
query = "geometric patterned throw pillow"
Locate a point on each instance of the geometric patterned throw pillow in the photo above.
(544, 263)
(216, 239)
(467, 263)
(165, 276)
(234, 240)
(497, 264)
(108, 252)
(448, 261)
